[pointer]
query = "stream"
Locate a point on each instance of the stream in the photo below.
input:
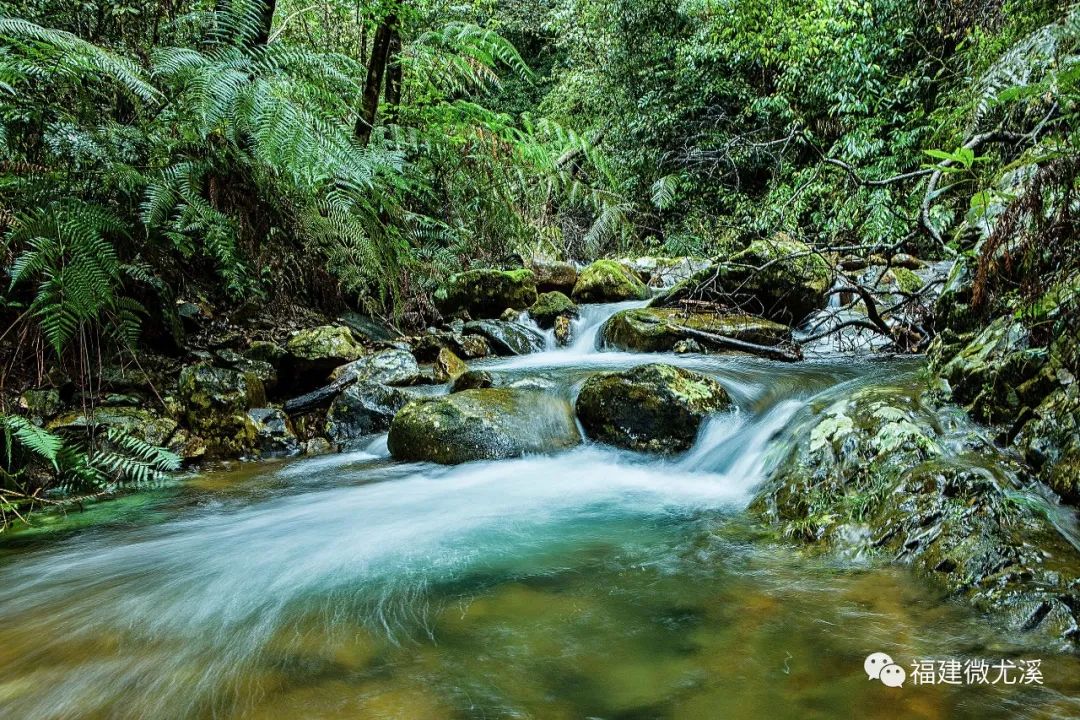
(595, 583)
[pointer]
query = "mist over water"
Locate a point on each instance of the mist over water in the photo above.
(353, 586)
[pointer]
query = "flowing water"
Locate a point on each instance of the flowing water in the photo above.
(590, 584)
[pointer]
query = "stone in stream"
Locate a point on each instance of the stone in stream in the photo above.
(489, 424)
(549, 307)
(469, 346)
(487, 293)
(311, 355)
(651, 408)
(389, 367)
(554, 276)
(473, 380)
(274, 434)
(215, 402)
(780, 279)
(663, 329)
(448, 366)
(507, 338)
(564, 331)
(363, 410)
(606, 281)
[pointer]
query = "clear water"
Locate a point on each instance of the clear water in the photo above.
(591, 584)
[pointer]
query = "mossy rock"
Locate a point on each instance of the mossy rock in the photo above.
(274, 434)
(363, 410)
(448, 366)
(554, 276)
(41, 403)
(507, 338)
(487, 293)
(905, 280)
(659, 329)
(607, 281)
(651, 408)
(549, 306)
(488, 424)
(215, 402)
(143, 424)
(779, 278)
(389, 367)
(1050, 442)
(333, 344)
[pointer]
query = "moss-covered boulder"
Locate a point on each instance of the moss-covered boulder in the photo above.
(903, 279)
(41, 403)
(487, 424)
(363, 410)
(1050, 441)
(662, 329)
(549, 307)
(487, 293)
(311, 355)
(448, 366)
(780, 278)
(473, 380)
(651, 408)
(554, 276)
(215, 402)
(885, 470)
(146, 425)
(608, 281)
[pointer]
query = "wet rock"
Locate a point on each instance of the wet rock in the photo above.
(318, 446)
(487, 293)
(987, 375)
(473, 380)
(40, 404)
(363, 410)
(367, 327)
(564, 331)
(148, 426)
(780, 279)
(885, 459)
(1051, 442)
(190, 448)
(607, 281)
(426, 348)
(215, 402)
(510, 315)
(554, 276)
(311, 355)
(274, 434)
(549, 307)
(688, 347)
(903, 279)
(485, 424)
(448, 366)
(262, 369)
(389, 367)
(651, 408)
(265, 351)
(507, 338)
(664, 272)
(662, 329)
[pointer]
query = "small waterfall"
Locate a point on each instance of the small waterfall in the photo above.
(591, 318)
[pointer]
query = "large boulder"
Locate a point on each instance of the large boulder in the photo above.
(487, 293)
(448, 366)
(470, 346)
(780, 279)
(487, 424)
(662, 329)
(549, 307)
(651, 408)
(554, 276)
(1051, 442)
(311, 355)
(363, 410)
(215, 402)
(607, 281)
(389, 367)
(507, 338)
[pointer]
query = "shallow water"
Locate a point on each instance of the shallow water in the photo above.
(595, 583)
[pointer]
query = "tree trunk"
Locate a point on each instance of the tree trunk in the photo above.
(393, 75)
(380, 56)
(266, 23)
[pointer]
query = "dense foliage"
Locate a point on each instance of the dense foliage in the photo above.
(350, 154)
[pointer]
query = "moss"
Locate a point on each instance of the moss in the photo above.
(658, 329)
(487, 293)
(608, 281)
(906, 281)
(328, 342)
(137, 422)
(651, 408)
(550, 306)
